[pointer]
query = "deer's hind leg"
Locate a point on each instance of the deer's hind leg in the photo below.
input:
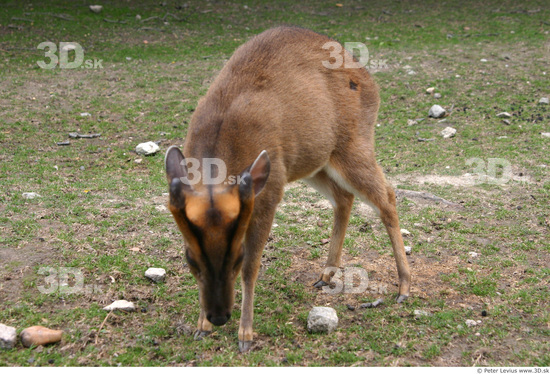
(342, 202)
(355, 169)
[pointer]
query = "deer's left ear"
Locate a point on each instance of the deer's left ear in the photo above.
(258, 173)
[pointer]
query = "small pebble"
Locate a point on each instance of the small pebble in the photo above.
(545, 134)
(147, 148)
(471, 323)
(350, 307)
(506, 122)
(405, 232)
(436, 111)
(504, 115)
(437, 95)
(124, 305)
(322, 319)
(40, 335)
(8, 336)
(408, 250)
(484, 313)
(422, 313)
(30, 195)
(96, 8)
(544, 101)
(156, 274)
(448, 132)
(430, 90)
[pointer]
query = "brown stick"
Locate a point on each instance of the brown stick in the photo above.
(101, 326)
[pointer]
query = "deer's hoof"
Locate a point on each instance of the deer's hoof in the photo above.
(320, 284)
(402, 298)
(244, 346)
(199, 335)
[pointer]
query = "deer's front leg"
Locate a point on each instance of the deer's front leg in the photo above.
(256, 237)
(204, 328)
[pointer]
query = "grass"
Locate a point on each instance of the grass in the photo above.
(98, 204)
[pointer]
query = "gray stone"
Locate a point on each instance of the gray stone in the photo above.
(156, 274)
(437, 111)
(147, 148)
(421, 313)
(30, 195)
(8, 337)
(544, 101)
(437, 95)
(545, 134)
(96, 8)
(448, 132)
(322, 319)
(124, 305)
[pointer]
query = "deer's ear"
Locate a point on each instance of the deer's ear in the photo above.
(259, 172)
(176, 170)
(174, 163)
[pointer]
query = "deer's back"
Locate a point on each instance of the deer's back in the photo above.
(276, 94)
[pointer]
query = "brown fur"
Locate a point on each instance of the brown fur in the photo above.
(315, 123)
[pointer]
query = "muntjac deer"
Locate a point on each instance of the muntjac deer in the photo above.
(275, 114)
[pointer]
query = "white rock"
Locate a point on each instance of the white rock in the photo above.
(411, 72)
(430, 90)
(504, 115)
(437, 95)
(30, 195)
(127, 306)
(138, 17)
(408, 250)
(424, 313)
(405, 232)
(448, 132)
(483, 60)
(8, 336)
(148, 148)
(471, 323)
(544, 100)
(85, 114)
(161, 208)
(473, 254)
(545, 134)
(156, 274)
(96, 8)
(437, 111)
(322, 319)
(411, 122)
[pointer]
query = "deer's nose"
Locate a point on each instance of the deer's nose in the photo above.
(218, 319)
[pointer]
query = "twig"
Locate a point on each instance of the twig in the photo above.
(150, 29)
(113, 20)
(21, 19)
(101, 326)
(148, 19)
(173, 16)
(62, 16)
(425, 195)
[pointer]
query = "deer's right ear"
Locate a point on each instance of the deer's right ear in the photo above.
(176, 170)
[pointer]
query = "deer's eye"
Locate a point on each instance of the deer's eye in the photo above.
(192, 263)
